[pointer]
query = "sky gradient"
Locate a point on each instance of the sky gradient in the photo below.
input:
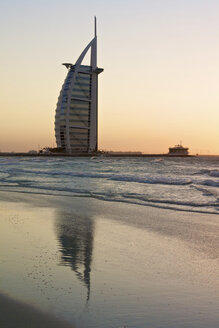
(161, 71)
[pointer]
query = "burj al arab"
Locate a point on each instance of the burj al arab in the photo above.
(76, 119)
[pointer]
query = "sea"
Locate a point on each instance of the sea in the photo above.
(112, 242)
(179, 183)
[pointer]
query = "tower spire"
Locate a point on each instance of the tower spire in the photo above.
(95, 26)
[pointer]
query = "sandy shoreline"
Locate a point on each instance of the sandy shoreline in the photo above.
(20, 315)
(167, 253)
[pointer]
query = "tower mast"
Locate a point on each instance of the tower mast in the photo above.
(95, 26)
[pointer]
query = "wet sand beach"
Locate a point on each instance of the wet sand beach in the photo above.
(17, 314)
(106, 264)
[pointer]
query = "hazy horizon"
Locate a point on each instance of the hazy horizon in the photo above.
(159, 84)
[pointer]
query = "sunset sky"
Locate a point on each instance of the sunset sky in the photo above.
(160, 82)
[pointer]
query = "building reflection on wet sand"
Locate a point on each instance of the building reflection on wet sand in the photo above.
(75, 237)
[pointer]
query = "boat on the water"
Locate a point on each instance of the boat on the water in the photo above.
(178, 150)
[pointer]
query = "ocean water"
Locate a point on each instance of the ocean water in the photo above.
(112, 242)
(186, 184)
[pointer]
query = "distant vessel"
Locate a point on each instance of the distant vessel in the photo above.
(178, 150)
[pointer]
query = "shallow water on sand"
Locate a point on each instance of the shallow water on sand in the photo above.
(105, 264)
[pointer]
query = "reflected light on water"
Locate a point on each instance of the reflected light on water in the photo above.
(75, 237)
(103, 264)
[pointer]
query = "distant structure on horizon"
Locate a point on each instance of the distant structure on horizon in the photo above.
(178, 150)
(76, 119)
(124, 153)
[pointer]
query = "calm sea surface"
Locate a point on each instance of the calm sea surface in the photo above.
(113, 242)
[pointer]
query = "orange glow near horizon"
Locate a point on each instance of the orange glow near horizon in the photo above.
(160, 79)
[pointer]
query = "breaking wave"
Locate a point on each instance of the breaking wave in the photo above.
(174, 184)
(113, 177)
(211, 173)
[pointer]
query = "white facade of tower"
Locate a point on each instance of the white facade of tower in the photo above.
(76, 120)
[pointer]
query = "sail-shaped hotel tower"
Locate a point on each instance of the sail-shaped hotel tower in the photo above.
(77, 108)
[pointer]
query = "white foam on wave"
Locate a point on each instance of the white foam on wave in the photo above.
(189, 207)
(167, 187)
(111, 195)
(177, 202)
(153, 180)
(113, 177)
